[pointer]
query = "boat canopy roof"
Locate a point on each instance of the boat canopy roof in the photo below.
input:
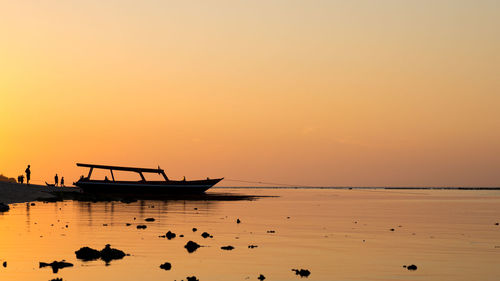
(120, 168)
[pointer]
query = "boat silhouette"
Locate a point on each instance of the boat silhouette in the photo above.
(142, 186)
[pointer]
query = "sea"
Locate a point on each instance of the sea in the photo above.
(333, 234)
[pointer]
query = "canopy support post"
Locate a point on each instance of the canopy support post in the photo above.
(164, 175)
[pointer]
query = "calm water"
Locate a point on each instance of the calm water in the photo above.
(336, 234)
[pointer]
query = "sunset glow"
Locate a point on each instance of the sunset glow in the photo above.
(316, 93)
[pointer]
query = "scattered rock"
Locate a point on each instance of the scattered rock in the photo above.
(150, 219)
(141, 226)
(252, 246)
(4, 207)
(192, 278)
(411, 267)
(238, 221)
(228, 248)
(302, 272)
(205, 235)
(87, 254)
(170, 235)
(108, 254)
(56, 265)
(261, 277)
(166, 266)
(191, 246)
(195, 229)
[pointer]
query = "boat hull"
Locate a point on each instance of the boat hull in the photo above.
(146, 188)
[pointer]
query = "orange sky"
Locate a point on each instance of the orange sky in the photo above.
(331, 93)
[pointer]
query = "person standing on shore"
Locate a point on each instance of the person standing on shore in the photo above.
(62, 181)
(28, 174)
(56, 179)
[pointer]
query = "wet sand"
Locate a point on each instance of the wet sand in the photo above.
(18, 193)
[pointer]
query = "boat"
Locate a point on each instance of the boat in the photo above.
(143, 186)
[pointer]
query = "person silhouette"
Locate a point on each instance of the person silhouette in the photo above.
(28, 174)
(62, 181)
(56, 179)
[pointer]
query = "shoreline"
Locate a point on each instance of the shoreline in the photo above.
(20, 193)
(11, 193)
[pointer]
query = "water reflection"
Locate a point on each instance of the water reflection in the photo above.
(28, 220)
(337, 235)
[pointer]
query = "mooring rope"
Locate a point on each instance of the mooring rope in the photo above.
(268, 183)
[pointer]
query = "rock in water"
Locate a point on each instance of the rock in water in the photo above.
(4, 264)
(150, 219)
(191, 246)
(261, 277)
(205, 235)
(252, 246)
(195, 229)
(170, 235)
(108, 254)
(141, 226)
(192, 278)
(87, 254)
(302, 272)
(166, 266)
(412, 267)
(4, 207)
(238, 221)
(228, 248)
(56, 265)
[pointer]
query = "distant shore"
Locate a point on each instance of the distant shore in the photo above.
(19, 193)
(362, 188)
